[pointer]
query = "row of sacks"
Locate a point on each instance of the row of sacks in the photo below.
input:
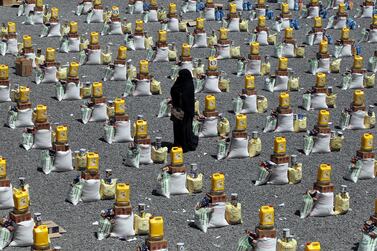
(230, 148)
(290, 122)
(16, 234)
(361, 169)
(144, 154)
(353, 80)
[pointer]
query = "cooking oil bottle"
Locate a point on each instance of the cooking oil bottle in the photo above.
(233, 210)
(295, 171)
(287, 243)
(194, 179)
(342, 201)
(254, 145)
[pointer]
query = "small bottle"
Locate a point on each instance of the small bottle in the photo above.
(287, 243)
(76, 159)
(330, 98)
(295, 123)
(180, 246)
(370, 119)
(82, 159)
(234, 199)
(141, 209)
(194, 170)
(38, 219)
(39, 58)
(342, 203)
(109, 173)
(158, 143)
(302, 123)
(22, 183)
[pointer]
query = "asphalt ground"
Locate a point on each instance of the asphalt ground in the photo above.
(48, 192)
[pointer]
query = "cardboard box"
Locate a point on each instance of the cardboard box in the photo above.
(24, 67)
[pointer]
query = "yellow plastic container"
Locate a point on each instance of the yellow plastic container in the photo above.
(153, 2)
(94, 38)
(73, 27)
(209, 1)
(50, 54)
(39, 3)
(367, 142)
(23, 94)
(320, 79)
(120, 106)
(92, 161)
(375, 19)
(254, 48)
(186, 50)
(27, 41)
(97, 90)
(318, 22)
(266, 216)
(162, 36)
(54, 12)
(324, 47)
(115, 11)
(62, 134)
(345, 35)
(122, 52)
(73, 71)
(241, 122)
(40, 236)
(97, 2)
(200, 23)
(218, 182)
(341, 8)
(358, 97)
(283, 63)
(324, 173)
(139, 25)
(284, 100)
(261, 2)
(3, 167)
(172, 8)
(12, 27)
(249, 82)
(176, 155)
(144, 66)
(21, 199)
(280, 145)
(233, 8)
(141, 128)
(357, 62)
(122, 193)
(224, 33)
(313, 246)
(156, 228)
(323, 118)
(4, 72)
(284, 8)
(210, 103)
(262, 21)
(212, 63)
(41, 113)
(288, 33)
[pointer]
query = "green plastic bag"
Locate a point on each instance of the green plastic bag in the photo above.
(307, 206)
(104, 229)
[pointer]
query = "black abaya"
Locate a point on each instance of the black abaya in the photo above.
(183, 98)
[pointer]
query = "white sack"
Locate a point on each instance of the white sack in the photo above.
(173, 25)
(123, 226)
(253, 67)
(99, 113)
(372, 36)
(139, 42)
(12, 47)
(238, 148)
(123, 132)
(313, 11)
(6, 197)
(266, 244)
(97, 16)
(24, 118)
(324, 205)
(200, 40)
(223, 51)
(357, 120)
(90, 190)
(4, 93)
(234, 25)
(324, 65)
(217, 216)
(279, 174)
(42, 139)
(50, 75)
(116, 28)
(94, 57)
(340, 23)
(73, 44)
(281, 83)
(209, 14)
(211, 84)
(285, 123)
(178, 184)
(249, 104)
(142, 88)
(23, 235)
(145, 154)
(367, 169)
(54, 30)
(209, 127)
(262, 38)
(63, 161)
(120, 72)
(367, 12)
(318, 101)
(162, 54)
(139, 7)
(357, 81)
(322, 143)
(72, 91)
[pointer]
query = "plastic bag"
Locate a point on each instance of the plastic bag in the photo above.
(222, 149)
(5, 237)
(104, 229)
(133, 157)
(107, 190)
(307, 206)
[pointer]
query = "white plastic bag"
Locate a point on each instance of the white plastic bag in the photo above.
(142, 88)
(123, 226)
(178, 184)
(322, 143)
(90, 190)
(6, 197)
(209, 127)
(23, 235)
(42, 139)
(63, 161)
(285, 123)
(324, 205)
(238, 148)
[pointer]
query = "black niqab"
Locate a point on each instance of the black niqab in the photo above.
(182, 93)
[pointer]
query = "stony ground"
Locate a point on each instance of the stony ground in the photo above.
(48, 192)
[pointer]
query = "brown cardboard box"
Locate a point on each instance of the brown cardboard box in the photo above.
(9, 2)
(24, 67)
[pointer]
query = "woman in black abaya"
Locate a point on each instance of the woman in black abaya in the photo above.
(183, 111)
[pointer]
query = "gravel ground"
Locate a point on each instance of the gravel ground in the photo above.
(48, 192)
